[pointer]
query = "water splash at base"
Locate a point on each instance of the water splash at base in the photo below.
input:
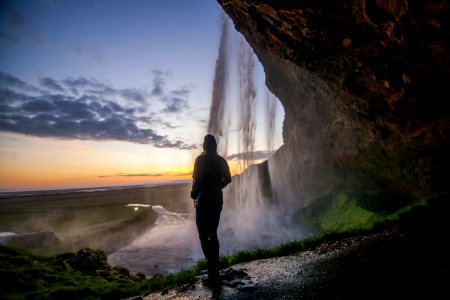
(168, 247)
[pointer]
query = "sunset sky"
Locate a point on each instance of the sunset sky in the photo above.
(99, 93)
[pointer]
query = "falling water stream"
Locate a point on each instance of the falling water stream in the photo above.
(258, 205)
(217, 124)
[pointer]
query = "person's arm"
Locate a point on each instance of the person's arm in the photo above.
(195, 191)
(226, 175)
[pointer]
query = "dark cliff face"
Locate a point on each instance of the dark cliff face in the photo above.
(365, 88)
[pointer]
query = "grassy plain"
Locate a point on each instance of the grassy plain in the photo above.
(99, 219)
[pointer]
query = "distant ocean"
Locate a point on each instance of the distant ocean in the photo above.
(6, 193)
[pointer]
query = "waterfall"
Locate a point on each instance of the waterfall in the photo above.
(259, 206)
(247, 103)
(261, 202)
(271, 113)
(217, 125)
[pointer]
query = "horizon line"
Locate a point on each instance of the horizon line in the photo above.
(4, 191)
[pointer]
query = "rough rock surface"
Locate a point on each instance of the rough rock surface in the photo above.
(364, 86)
(354, 268)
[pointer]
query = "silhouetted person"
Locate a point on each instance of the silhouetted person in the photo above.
(211, 175)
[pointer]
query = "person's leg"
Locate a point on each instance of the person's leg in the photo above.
(213, 224)
(207, 220)
(201, 219)
(213, 245)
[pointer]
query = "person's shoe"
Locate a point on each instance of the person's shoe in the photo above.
(216, 292)
(211, 281)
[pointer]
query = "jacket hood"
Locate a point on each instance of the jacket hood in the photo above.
(210, 144)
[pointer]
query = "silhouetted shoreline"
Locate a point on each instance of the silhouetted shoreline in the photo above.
(6, 193)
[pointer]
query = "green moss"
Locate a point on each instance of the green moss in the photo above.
(69, 276)
(423, 203)
(344, 214)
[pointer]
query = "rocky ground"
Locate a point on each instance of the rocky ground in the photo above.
(406, 261)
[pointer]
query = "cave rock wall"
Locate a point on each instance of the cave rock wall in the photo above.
(364, 86)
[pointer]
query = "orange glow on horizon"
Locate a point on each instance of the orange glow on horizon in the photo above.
(34, 163)
(37, 163)
(36, 178)
(55, 180)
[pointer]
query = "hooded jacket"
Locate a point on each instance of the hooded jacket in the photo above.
(211, 174)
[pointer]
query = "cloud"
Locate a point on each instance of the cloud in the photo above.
(83, 83)
(175, 101)
(134, 175)
(16, 28)
(9, 81)
(79, 108)
(93, 54)
(182, 92)
(256, 155)
(184, 174)
(51, 84)
(90, 86)
(17, 20)
(9, 38)
(158, 82)
(133, 94)
(165, 124)
(144, 174)
(175, 105)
